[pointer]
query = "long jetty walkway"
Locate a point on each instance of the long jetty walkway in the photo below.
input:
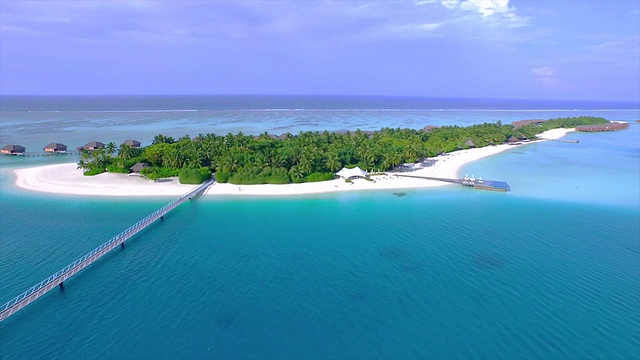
(470, 182)
(57, 279)
(568, 141)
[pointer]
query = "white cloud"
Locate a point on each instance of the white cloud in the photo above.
(549, 80)
(494, 12)
(546, 75)
(544, 71)
(312, 22)
(450, 4)
(413, 30)
(487, 7)
(8, 29)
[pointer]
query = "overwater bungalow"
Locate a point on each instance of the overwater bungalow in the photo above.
(612, 126)
(92, 145)
(132, 143)
(12, 150)
(55, 148)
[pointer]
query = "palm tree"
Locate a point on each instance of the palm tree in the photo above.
(111, 148)
(173, 159)
(98, 158)
(83, 165)
(125, 152)
(305, 164)
(332, 162)
(395, 159)
(161, 139)
(296, 173)
(386, 163)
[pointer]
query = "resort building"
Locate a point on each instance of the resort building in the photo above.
(13, 150)
(132, 143)
(356, 172)
(92, 145)
(470, 144)
(55, 148)
(613, 126)
(137, 168)
(517, 124)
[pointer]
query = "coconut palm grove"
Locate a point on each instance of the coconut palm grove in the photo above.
(305, 157)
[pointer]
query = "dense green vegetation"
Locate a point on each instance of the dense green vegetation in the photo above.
(529, 131)
(194, 176)
(155, 173)
(305, 157)
(571, 122)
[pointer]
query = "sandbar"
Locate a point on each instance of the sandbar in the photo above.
(67, 179)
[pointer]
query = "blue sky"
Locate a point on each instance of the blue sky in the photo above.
(543, 49)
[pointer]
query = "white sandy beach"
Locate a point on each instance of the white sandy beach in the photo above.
(66, 179)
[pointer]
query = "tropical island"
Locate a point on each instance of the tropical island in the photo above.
(302, 164)
(306, 157)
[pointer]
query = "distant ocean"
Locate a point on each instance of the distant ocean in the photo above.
(549, 270)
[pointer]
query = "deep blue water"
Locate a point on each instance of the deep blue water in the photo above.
(36, 121)
(548, 270)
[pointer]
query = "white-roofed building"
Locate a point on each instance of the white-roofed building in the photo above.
(351, 173)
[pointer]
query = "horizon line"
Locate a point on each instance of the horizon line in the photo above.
(318, 95)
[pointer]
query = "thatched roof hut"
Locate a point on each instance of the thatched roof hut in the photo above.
(131, 143)
(517, 124)
(512, 139)
(138, 167)
(12, 149)
(92, 145)
(612, 126)
(55, 148)
(429, 128)
(470, 143)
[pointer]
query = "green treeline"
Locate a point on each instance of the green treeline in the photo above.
(530, 131)
(305, 157)
(571, 122)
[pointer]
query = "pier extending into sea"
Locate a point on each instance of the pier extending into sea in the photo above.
(468, 181)
(57, 279)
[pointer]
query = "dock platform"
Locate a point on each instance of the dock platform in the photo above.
(492, 185)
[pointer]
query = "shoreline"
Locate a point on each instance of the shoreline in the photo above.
(66, 179)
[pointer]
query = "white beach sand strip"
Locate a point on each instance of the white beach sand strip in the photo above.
(66, 179)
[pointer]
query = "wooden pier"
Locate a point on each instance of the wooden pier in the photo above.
(470, 182)
(563, 140)
(57, 279)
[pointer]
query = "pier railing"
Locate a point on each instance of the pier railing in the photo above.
(61, 275)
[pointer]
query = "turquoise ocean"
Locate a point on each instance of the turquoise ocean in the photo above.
(550, 270)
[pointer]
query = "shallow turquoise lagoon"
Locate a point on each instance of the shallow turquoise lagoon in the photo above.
(548, 270)
(447, 273)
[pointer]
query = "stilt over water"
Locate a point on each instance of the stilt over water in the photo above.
(57, 279)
